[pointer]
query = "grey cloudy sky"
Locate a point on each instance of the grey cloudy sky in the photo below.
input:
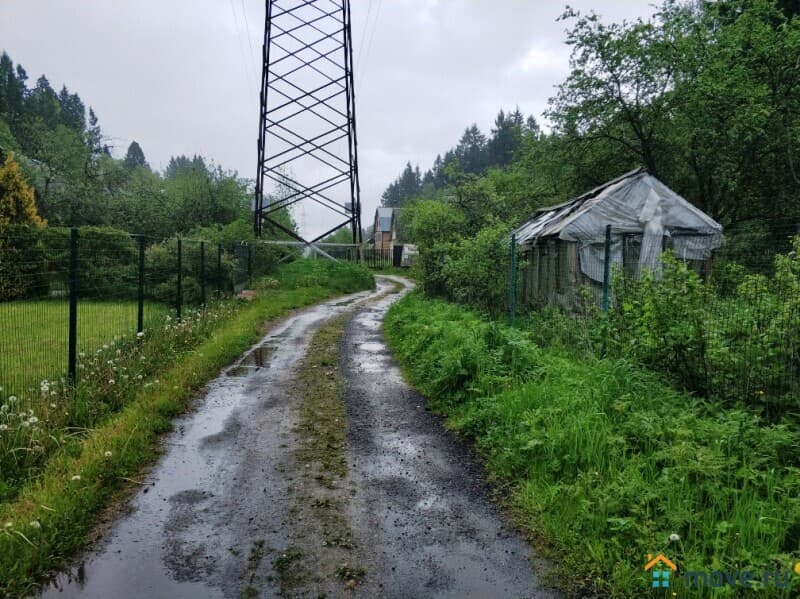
(182, 76)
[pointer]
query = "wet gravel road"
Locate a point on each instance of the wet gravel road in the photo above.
(216, 510)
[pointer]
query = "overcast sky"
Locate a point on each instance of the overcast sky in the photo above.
(182, 76)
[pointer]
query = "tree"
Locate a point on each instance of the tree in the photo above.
(134, 157)
(17, 206)
(505, 139)
(471, 150)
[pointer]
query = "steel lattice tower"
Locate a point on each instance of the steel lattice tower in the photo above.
(307, 146)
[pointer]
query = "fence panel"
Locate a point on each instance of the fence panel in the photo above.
(121, 284)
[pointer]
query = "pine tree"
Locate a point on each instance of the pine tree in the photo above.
(17, 206)
(134, 156)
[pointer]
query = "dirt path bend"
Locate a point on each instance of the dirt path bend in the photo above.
(234, 509)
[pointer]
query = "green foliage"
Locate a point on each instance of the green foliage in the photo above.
(474, 266)
(17, 206)
(739, 349)
(606, 462)
(343, 277)
(77, 182)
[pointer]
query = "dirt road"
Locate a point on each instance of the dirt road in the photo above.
(232, 510)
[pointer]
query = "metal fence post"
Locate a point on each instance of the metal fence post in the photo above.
(140, 290)
(512, 282)
(607, 270)
(179, 297)
(202, 273)
(219, 270)
(249, 266)
(73, 308)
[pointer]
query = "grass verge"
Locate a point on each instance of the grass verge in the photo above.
(52, 515)
(607, 463)
(319, 496)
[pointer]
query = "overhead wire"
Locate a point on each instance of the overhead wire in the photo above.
(248, 65)
(361, 74)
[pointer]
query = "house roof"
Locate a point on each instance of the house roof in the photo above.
(627, 203)
(383, 219)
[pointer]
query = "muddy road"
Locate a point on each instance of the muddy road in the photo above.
(236, 508)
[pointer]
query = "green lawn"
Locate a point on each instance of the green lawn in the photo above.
(33, 336)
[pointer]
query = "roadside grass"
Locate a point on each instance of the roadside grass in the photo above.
(33, 336)
(320, 501)
(54, 510)
(607, 463)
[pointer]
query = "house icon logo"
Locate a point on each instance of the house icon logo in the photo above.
(661, 567)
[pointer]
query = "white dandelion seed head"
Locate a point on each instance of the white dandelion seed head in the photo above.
(35, 524)
(76, 477)
(8, 525)
(110, 381)
(25, 424)
(33, 420)
(105, 346)
(674, 538)
(12, 399)
(108, 454)
(140, 334)
(3, 427)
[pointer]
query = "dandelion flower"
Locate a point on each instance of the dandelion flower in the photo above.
(105, 347)
(12, 399)
(25, 424)
(108, 454)
(110, 381)
(76, 477)
(3, 427)
(53, 406)
(33, 420)
(4, 408)
(140, 334)
(674, 538)
(139, 377)
(35, 524)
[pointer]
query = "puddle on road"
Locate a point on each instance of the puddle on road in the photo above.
(373, 346)
(253, 361)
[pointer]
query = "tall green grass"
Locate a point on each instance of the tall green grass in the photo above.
(608, 462)
(33, 336)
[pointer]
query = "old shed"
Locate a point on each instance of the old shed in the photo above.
(564, 245)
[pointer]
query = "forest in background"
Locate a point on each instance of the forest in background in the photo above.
(704, 94)
(65, 158)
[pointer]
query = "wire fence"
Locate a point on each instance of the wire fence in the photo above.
(65, 293)
(724, 325)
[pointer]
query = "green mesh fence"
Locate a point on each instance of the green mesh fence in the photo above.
(120, 284)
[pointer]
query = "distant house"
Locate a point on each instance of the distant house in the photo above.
(385, 232)
(565, 244)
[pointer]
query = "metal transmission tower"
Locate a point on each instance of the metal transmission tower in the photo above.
(307, 147)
